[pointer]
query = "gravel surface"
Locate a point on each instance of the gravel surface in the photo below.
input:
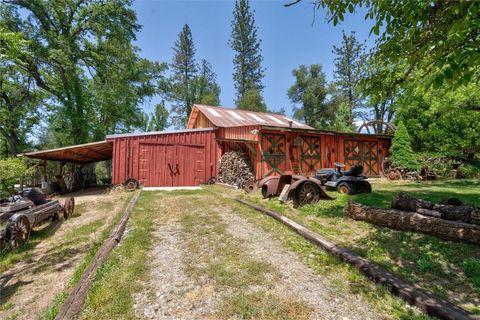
(170, 293)
(296, 279)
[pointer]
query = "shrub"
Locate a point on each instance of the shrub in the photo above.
(11, 170)
(401, 152)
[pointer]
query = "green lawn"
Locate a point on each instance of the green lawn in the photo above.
(448, 269)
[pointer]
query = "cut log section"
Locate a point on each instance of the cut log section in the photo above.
(457, 212)
(413, 221)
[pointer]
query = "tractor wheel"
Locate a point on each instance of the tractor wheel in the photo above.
(346, 188)
(17, 232)
(365, 187)
(131, 184)
(306, 193)
(68, 207)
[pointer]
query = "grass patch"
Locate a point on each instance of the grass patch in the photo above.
(263, 305)
(122, 274)
(436, 265)
(341, 275)
(84, 232)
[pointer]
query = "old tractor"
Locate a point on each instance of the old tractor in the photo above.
(347, 182)
(300, 189)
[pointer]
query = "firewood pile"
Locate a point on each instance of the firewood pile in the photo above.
(450, 219)
(235, 168)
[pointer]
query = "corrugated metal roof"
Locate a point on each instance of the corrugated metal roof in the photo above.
(155, 133)
(225, 117)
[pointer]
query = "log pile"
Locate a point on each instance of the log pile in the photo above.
(446, 221)
(235, 168)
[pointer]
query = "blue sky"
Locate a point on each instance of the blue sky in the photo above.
(290, 37)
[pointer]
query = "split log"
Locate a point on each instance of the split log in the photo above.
(235, 168)
(412, 221)
(465, 213)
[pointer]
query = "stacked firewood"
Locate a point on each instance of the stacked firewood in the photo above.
(235, 168)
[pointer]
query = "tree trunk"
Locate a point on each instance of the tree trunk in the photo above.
(465, 213)
(412, 221)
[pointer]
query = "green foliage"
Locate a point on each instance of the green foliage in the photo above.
(444, 122)
(252, 100)
(80, 54)
(183, 69)
(206, 89)
(309, 94)
(248, 72)
(189, 82)
(401, 153)
(159, 118)
(11, 170)
(19, 102)
(438, 39)
(349, 62)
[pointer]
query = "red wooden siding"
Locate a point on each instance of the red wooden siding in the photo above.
(306, 152)
(185, 158)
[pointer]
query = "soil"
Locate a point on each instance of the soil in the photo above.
(32, 284)
(171, 292)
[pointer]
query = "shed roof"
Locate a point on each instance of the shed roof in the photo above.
(226, 117)
(81, 153)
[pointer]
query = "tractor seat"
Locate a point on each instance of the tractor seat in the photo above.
(354, 171)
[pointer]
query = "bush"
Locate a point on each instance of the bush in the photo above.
(11, 170)
(401, 152)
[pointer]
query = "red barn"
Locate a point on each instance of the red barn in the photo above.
(276, 144)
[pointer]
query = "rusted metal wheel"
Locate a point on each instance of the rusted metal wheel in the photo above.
(68, 207)
(306, 193)
(394, 175)
(131, 184)
(118, 187)
(17, 231)
(250, 186)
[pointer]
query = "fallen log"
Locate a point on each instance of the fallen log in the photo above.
(465, 213)
(411, 293)
(413, 221)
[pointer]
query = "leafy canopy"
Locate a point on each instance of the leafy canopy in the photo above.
(11, 170)
(439, 39)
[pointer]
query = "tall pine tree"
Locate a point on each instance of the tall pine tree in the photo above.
(248, 72)
(184, 70)
(349, 61)
(207, 91)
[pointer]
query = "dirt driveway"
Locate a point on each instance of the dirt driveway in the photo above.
(30, 285)
(209, 261)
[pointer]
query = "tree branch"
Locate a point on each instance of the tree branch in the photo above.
(292, 3)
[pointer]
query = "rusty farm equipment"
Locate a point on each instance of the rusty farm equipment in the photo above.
(302, 190)
(22, 214)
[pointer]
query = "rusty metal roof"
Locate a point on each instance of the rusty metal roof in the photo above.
(82, 153)
(226, 117)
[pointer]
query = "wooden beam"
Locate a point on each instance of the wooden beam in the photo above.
(406, 290)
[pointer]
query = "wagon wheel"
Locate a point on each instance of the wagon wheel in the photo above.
(68, 207)
(131, 184)
(17, 231)
(306, 193)
(394, 175)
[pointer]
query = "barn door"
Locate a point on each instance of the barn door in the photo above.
(310, 155)
(274, 155)
(163, 165)
(364, 153)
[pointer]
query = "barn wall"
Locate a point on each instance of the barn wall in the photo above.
(249, 133)
(146, 157)
(280, 154)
